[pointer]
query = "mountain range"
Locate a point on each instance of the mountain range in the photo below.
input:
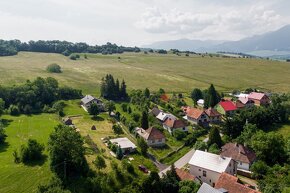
(268, 44)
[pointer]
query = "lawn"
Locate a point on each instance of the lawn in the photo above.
(284, 130)
(18, 177)
(171, 72)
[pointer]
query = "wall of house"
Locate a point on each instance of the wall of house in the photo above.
(155, 143)
(243, 166)
(210, 177)
(232, 168)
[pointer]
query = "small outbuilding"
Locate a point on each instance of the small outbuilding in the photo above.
(67, 121)
(93, 127)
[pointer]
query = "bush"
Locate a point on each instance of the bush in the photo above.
(32, 151)
(179, 135)
(53, 68)
(72, 57)
(13, 110)
(136, 117)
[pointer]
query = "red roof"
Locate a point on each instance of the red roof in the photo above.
(228, 105)
(164, 97)
(232, 185)
(193, 112)
(183, 175)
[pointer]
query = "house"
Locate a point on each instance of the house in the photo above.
(67, 121)
(163, 116)
(241, 154)
(196, 116)
(125, 144)
(88, 100)
(155, 111)
(260, 99)
(231, 184)
(152, 136)
(245, 102)
(173, 124)
(208, 167)
(214, 115)
(205, 188)
(200, 102)
(226, 107)
(184, 175)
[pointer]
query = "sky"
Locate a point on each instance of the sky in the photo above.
(139, 22)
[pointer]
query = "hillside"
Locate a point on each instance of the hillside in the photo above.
(171, 72)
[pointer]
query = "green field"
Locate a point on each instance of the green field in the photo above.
(18, 177)
(171, 72)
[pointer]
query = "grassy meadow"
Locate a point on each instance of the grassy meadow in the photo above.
(20, 177)
(171, 72)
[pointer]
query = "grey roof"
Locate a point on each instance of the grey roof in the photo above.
(210, 161)
(87, 99)
(123, 143)
(205, 188)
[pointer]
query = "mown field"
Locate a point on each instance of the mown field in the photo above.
(171, 72)
(19, 177)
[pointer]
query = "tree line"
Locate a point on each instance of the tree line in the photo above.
(12, 47)
(34, 96)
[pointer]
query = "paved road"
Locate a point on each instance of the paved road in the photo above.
(180, 163)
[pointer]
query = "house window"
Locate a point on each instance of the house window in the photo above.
(159, 140)
(183, 128)
(241, 163)
(153, 141)
(204, 173)
(210, 180)
(199, 169)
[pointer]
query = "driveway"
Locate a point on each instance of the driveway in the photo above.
(179, 163)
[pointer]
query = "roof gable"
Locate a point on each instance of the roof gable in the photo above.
(193, 112)
(256, 95)
(238, 152)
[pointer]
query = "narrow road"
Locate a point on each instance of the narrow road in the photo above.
(179, 163)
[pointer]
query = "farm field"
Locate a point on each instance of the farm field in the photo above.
(171, 72)
(19, 177)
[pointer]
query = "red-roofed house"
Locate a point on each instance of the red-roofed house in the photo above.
(152, 136)
(241, 154)
(173, 124)
(214, 115)
(231, 184)
(260, 99)
(196, 116)
(226, 107)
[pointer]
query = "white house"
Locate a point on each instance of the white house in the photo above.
(244, 156)
(125, 144)
(88, 100)
(208, 167)
(174, 124)
(152, 136)
(200, 102)
(162, 116)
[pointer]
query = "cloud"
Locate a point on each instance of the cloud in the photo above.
(225, 24)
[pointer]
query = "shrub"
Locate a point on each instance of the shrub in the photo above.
(179, 135)
(72, 57)
(53, 68)
(136, 117)
(32, 151)
(13, 110)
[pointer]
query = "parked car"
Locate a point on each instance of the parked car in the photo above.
(143, 168)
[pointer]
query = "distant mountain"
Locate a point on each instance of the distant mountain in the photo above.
(184, 45)
(272, 41)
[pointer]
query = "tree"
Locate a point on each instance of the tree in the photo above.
(269, 147)
(200, 145)
(259, 169)
(123, 91)
(151, 183)
(14, 110)
(214, 149)
(110, 107)
(94, 110)
(2, 106)
(247, 133)
(136, 117)
(214, 137)
(2, 134)
(146, 93)
(67, 152)
(170, 181)
(178, 134)
(54, 68)
(196, 94)
(143, 146)
(32, 151)
(187, 186)
(117, 129)
(119, 153)
(53, 186)
(211, 98)
(144, 120)
(124, 107)
(100, 162)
